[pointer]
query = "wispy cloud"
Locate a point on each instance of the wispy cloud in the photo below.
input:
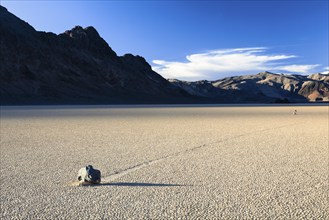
(226, 62)
(297, 68)
(326, 70)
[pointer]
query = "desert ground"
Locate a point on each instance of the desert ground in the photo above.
(219, 162)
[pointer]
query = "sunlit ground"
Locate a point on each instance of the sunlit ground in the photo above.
(160, 163)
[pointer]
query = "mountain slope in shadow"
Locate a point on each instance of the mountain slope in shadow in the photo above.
(75, 67)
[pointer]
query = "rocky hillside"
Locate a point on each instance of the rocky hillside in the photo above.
(75, 67)
(262, 87)
(79, 67)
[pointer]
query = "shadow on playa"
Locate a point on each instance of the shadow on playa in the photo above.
(133, 184)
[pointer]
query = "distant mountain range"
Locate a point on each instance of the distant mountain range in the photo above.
(79, 67)
(262, 87)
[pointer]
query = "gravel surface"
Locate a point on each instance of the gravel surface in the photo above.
(165, 163)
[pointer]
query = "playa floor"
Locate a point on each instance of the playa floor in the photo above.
(165, 162)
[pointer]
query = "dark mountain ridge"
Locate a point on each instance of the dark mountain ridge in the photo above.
(79, 67)
(75, 67)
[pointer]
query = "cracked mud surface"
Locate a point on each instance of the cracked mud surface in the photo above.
(160, 163)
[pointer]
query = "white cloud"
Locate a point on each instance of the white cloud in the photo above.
(227, 62)
(326, 70)
(297, 68)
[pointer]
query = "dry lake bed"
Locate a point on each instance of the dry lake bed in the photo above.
(246, 162)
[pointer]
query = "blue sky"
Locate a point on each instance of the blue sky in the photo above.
(194, 40)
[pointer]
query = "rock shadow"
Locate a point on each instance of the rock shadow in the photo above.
(137, 184)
